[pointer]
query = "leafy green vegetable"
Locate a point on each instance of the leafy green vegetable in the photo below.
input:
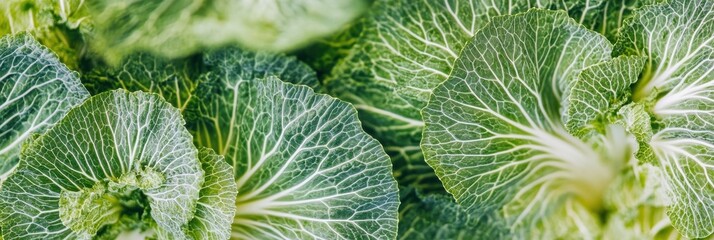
(36, 91)
(515, 130)
(503, 119)
(406, 48)
(404, 51)
(180, 27)
(304, 167)
(676, 86)
(531, 127)
(117, 157)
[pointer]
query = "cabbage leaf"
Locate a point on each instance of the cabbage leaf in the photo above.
(516, 132)
(36, 91)
(119, 157)
(303, 166)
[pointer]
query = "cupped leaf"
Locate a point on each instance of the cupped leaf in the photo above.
(677, 87)
(180, 27)
(222, 114)
(36, 91)
(303, 166)
(118, 157)
(495, 131)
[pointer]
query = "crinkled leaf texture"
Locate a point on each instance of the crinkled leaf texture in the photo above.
(436, 216)
(605, 16)
(677, 91)
(319, 176)
(216, 203)
(182, 81)
(303, 166)
(175, 80)
(523, 128)
(181, 27)
(405, 49)
(36, 91)
(118, 157)
(236, 63)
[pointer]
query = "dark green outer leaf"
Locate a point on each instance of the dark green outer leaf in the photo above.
(437, 216)
(36, 91)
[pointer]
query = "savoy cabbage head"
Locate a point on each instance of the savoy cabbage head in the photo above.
(540, 126)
